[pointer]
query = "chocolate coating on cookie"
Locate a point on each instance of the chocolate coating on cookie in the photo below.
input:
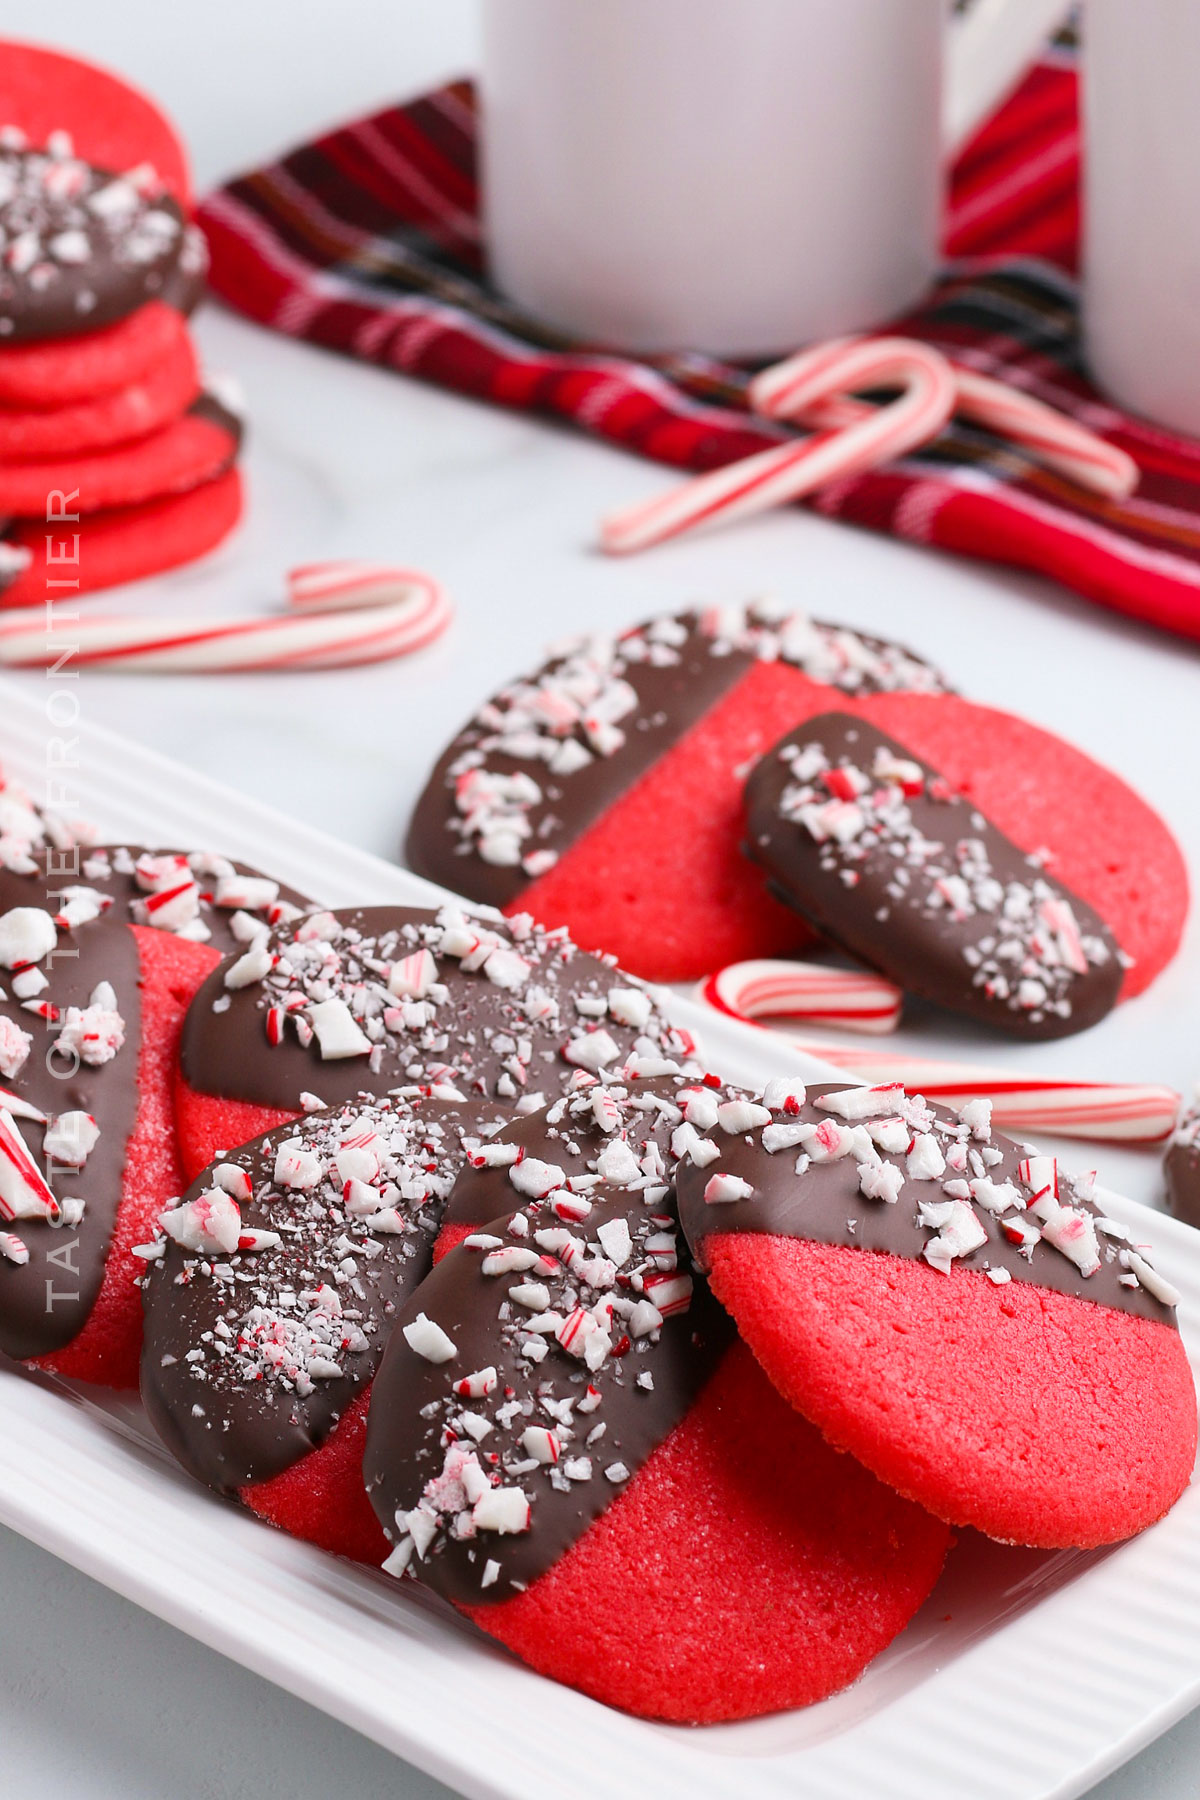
(82, 247)
(70, 1027)
(874, 1169)
(279, 1276)
(626, 1125)
(67, 1047)
(1181, 1169)
(526, 1383)
(368, 999)
(544, 758)
(876, 850)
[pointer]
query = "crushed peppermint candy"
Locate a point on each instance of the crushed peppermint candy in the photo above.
(397, 996)
(624, 1131)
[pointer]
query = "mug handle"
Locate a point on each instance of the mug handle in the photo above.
(989, 49)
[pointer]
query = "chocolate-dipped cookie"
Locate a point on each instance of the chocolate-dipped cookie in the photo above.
(1181, 1168)
(100, 951)
(602, 792)
(949, 1307)
(356, 1003)
(882, 856)
(84, 247)
(270, 1296)
(546, 1441)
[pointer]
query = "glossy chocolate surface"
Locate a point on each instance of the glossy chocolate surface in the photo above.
(921, 886)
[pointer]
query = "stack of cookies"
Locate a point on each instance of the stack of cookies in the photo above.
(115, 462)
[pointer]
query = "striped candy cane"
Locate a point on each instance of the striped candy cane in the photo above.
(1054, 439)
(384, 613)
(770, 478)
(768, 989)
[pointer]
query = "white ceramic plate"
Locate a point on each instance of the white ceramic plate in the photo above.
(1026, 1676)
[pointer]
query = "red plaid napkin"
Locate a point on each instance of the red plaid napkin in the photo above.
(368, 241)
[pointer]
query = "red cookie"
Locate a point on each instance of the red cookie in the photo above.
(190, 450)
(165, 390)
(71, 370)
(110, 123)
(127, 543)
(953, 1312)
(879, 854)
(614, 1491)
(604, 792)
(103, 950)
(362, 1002)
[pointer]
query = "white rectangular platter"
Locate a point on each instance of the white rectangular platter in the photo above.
(1025, 1677)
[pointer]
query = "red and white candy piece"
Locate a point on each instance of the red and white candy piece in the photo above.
(814, 388)
(786, 472)
(1112, 1111)
(409, 612)
(771, 989)
(1051, 436)
(23, 1190)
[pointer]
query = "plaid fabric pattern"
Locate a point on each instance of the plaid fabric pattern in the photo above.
(368, 241)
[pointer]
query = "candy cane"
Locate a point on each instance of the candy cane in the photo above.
(392, 612)
(1077, 1109)
(1054, 438)
(768, 989)
(787, 471)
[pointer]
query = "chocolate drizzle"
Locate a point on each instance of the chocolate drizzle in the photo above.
(565, 1431)
(881, 856)
(543, 759)
(251, 1357)
(503, 1009)
(815, 1189)
(46, 1301)
(83, 247)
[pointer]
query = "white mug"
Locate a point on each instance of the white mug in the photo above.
(1142, 234)
(738, 176)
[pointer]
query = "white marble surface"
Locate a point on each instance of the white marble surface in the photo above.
(345, 460)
